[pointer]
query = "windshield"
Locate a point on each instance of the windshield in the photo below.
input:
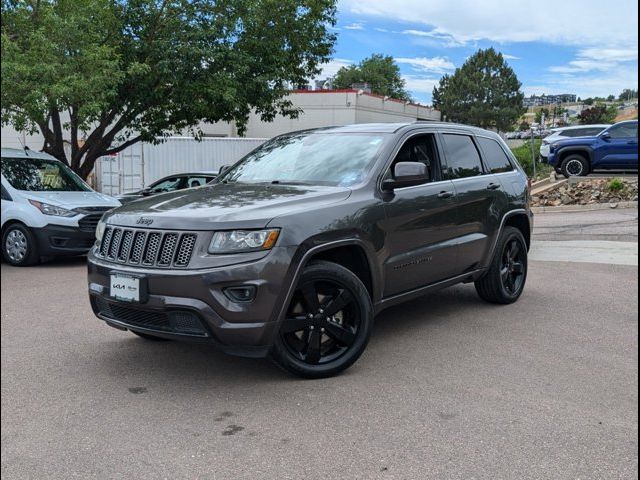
(40, 175)
(310, 158)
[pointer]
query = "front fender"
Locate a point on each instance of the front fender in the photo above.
(562, 153)
(23, 213)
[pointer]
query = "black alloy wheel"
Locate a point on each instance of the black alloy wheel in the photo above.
(512, 268)
(327, 324)
(505, 279)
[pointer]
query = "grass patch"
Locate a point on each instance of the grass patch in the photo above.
(616, 185)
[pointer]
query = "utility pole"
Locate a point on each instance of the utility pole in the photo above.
(533, 155)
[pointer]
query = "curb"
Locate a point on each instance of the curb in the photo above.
(547, 186)
(583, 208)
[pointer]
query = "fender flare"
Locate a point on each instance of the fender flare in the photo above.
(309, 253)
(563, 152)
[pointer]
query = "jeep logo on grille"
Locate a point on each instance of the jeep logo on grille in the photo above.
(144, 221)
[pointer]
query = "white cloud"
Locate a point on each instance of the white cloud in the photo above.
(598, 59)
(506, 56)
(587, 84)
(331, 68)
(435, 37)
(439, 65)
(419, 84)
(354, 26)
(574, 22)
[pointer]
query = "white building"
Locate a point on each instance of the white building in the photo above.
(319, 108)
(141, 164)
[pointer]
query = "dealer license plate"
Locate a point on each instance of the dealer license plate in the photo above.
(125, 287)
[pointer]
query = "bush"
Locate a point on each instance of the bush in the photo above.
(523, 154)
(616, 184)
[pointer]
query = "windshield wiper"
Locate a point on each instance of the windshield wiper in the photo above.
(289, 182)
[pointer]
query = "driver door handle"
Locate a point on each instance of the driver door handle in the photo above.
(493, 186)
(445, 194)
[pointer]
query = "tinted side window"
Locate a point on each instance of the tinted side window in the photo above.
(463, 159)
(591, 132)
(624, 131)
(567, 133)
(5, 194)
(494, 157)
(420, 148)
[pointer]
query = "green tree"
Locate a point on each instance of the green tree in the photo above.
(628, 94)
(543, 110)
(379, 71)
(110, 73)
(485, 92)
(599, 113)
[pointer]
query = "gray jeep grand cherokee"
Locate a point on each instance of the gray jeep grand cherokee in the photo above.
(295, 249)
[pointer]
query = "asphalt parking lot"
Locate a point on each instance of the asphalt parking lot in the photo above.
(449, 387)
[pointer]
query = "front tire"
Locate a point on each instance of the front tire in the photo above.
(507, 275)
(19, 246)
(575, 166)
(327, 325)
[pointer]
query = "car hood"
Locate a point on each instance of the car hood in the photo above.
(71, 200)
(564, 142)
(224, 206)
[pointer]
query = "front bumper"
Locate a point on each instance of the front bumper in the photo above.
(192, 305)
(58, 240)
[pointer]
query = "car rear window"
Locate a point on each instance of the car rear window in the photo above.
(495, 158)
(463, 159)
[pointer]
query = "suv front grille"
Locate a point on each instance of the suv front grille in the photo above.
(150, 248)
(89, 222)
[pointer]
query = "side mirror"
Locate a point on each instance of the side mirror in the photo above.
(146, 192)
(223, 169)
(606, 136)
(406, 174)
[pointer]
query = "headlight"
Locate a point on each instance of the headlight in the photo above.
(53, 210)
(240, 241)
(100, 230)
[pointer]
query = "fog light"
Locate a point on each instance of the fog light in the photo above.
(242, 293)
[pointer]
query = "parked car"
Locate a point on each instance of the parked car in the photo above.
(297, 246)
(47, 210)
(570, 132)
(169, 184)
(615, 148)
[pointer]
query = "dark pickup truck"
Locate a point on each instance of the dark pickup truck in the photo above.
(294, 249)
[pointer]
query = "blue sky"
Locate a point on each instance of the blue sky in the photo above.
(585, 47)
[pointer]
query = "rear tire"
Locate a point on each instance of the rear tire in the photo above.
(575, 166)
(19, 246)
(327, 324)
(153, 338)
(507, 275)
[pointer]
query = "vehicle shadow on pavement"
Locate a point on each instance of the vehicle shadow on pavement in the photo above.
(182, 367)
(434, 309)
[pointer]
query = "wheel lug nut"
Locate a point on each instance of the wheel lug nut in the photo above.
(311, 327)
(321, 311)
(322, 330)
(310, 315)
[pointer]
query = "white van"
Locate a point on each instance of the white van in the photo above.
(47, 210)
